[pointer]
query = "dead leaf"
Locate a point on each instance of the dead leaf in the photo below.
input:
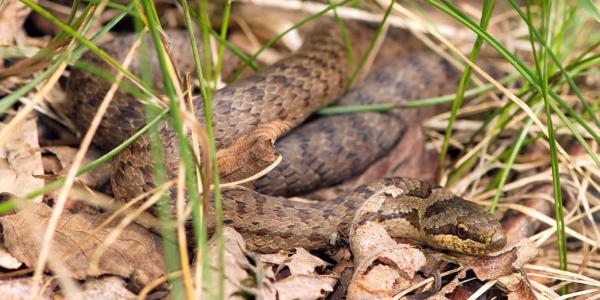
(520, 290)
(301, 287)
(20, 289)
(304, 263)
(12, 16)
(500, 264)
(492, 267)
(526, 252)
(8, 261)
(280, 276)
(382, 266)
(252, 153)
(58, 159)
(20, 161)
(137, 253)
(294, 276)
(236, 262)
(110, 287)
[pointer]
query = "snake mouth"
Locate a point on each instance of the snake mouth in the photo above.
(469, 247)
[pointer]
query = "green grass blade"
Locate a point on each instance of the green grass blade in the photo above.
(542, 68)
(557, 63)
(207, 105)
(488, 7)
(345, 36)
(521, 68)
(177, 123)
(510, 161)
(365, 56)
(591, 8)
(349, 109)
(223, 35)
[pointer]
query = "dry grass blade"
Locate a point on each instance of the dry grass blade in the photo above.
(181, 236)
(352, 13)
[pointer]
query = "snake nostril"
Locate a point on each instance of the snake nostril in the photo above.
(498, 240)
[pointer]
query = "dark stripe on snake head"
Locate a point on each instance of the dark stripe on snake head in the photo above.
(441, 206)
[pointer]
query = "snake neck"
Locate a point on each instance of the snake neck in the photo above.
(406, 208)
(274, 223)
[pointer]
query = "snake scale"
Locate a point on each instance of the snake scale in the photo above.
(323, 152)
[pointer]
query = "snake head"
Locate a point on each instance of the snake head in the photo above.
(462, 226)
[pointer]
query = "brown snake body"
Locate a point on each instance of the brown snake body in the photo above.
(290, 91)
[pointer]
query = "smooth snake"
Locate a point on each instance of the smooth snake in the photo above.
(323, 152)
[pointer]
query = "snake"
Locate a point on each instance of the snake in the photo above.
(322, 152)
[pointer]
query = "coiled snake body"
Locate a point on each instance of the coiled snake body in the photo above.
(323, 152)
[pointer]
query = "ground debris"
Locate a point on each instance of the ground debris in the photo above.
(109, 287)
(295, 275)
(136, 254)
(58, 160)
(382, 266)
(21, 162)
(20, 289)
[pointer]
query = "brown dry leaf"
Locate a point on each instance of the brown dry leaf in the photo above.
(298, 262)
(20, 289)
(280, 276)
(12, 16)
(304, 263)
(85, 200)
(273, 259)
(236, 262)
(526, 252)
(520, 289)
(500, 264)
(294, 276)
(382, 266)
(58, 160)
(8, 261)
(136, 254)
(21, 161)
(492, 267)
(301, 287)
(252, 153)
(110, 287)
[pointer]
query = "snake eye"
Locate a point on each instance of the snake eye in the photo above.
(462, 231)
